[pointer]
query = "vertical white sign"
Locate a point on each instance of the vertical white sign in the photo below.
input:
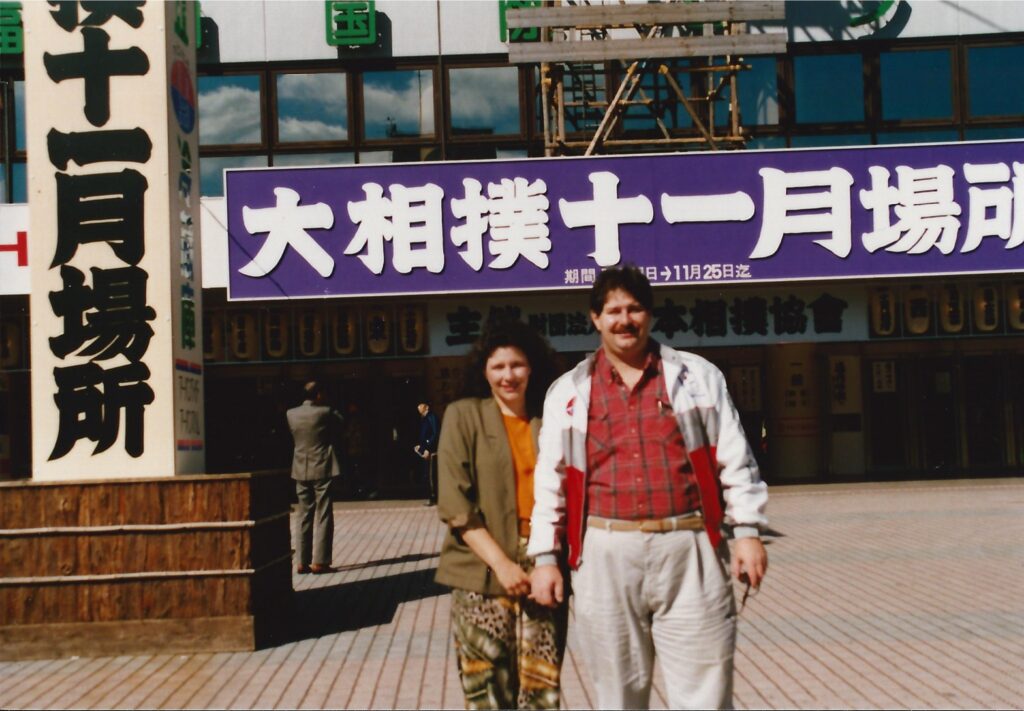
(115, 297)
(186, 265)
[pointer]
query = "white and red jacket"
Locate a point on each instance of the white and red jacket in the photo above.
(715, 443)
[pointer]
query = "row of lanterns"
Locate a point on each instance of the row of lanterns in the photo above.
(956, 306)
(248, 335)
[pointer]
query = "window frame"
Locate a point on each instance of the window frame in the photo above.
(359, 107)
(263, 144)
(320, 146)
(887, 125)
(988, 120)
(521, 99)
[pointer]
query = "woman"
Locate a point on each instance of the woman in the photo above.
(509, 647)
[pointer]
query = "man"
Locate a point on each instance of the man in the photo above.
(315, 427)
(426, 449)
(639, 443)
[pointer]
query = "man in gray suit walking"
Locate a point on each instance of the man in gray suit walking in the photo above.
(315, 428)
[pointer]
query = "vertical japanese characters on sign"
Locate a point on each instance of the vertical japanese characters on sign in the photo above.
(115, 280)
(103, 378)
(186, 287)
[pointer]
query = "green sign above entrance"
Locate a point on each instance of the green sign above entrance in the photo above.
(350, 23)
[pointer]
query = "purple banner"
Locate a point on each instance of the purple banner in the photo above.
(690, 218)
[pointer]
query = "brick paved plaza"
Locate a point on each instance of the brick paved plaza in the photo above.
(878, 596)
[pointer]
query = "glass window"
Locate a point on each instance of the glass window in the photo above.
(19, 183)
(821, 141)
(401, 154)
(512, 153)
(211, 175)
(829, 88)
(229, 110)
(917, 85)
(993, 80)
(666, 105)
(484, 100)
(335, 158)
(584, 94)
(721, 105)
(472, 151)
(766, 142)
(995, 133)
(19, 115)
(369, 157)
(312, 107)
(759, 92)
(398, 104)
(936, 136)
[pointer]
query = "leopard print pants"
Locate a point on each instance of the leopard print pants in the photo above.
(510, 650)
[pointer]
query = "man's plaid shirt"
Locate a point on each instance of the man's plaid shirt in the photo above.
(636, 455)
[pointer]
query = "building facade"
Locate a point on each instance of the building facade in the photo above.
(914, 376)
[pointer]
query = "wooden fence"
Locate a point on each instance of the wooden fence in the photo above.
(131, 565)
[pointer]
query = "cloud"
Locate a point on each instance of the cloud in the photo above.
(411, 106)
(325, 91)
(211, 176)
(293, 129)
(486, 97)
(229, 114)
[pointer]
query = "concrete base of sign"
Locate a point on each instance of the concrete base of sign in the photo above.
(189, 563)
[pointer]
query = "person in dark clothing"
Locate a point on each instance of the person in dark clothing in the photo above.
(426, 449)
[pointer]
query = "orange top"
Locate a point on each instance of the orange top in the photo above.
(524, 459)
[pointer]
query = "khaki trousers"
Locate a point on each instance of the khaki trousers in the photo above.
(646, 595)
(314, 525)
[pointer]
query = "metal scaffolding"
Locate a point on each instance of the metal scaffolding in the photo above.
(610, 76)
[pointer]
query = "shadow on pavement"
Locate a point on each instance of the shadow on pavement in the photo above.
(363, 603)
(410, 558)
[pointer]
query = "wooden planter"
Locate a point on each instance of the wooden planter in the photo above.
(125, 566)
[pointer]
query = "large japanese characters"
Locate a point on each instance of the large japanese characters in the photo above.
(116, 364)
(736, 217)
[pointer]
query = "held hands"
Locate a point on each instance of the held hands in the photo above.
(548, 588)
(513, 578)
(509, 574)
(749, 561)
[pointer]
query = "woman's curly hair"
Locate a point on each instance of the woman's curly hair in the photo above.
(544, 367)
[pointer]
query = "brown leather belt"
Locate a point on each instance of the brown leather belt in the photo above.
(649, 525)
(524, 527)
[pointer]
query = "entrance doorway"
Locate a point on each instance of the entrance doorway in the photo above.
(984, 412)
(886, 410)
(935, 386)
(247, 429)
(382, 426)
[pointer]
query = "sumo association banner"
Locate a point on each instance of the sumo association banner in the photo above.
(694, 218)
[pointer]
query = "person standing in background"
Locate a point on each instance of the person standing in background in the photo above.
(426, 449)
(315, 427)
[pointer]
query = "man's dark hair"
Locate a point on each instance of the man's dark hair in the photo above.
(628, 278)
(505, 333)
